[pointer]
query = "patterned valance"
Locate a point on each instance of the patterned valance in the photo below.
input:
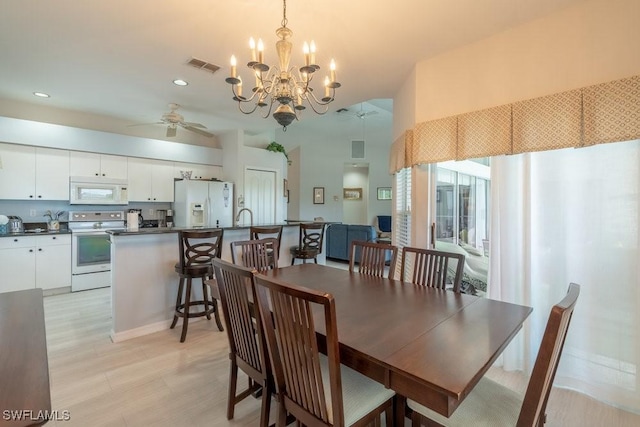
(612, 111)
(547, 123)
(400, 156)
(434, 141)
(484, 133)
(607, 112)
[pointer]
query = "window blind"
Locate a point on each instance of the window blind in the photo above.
(402, 226)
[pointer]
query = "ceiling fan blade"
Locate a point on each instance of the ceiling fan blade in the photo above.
(171, 131)
(199, 131)
(195, 125)
(145, 124)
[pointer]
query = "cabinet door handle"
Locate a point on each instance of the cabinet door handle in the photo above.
(39, 197)
(31, 196)
(15, 240)
(39, 249)
(97, 174)
(54, 237)
(30, 250)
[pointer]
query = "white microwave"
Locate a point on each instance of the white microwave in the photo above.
(97, 191)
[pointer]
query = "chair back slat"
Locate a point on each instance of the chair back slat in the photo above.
(535, 400)
(245, 334)
(287, 313)
(261, 255)
(372, 258)
(431, 267)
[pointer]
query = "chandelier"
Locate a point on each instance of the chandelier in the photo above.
(289, 88)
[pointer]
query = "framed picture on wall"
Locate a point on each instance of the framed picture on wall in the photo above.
(318, 195)
(384, 193)
(352, 193)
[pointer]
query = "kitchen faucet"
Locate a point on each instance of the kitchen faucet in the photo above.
(240, 212)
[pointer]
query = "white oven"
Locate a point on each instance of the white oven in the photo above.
(97, 191)
(91, 248)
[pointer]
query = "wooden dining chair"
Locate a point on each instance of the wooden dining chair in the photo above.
(263, 232)
(492, 404)
(247, 348)
(372, 257)
(316, 390)
(431, 268)
(197, 249)
(309, 242)
(261, 254)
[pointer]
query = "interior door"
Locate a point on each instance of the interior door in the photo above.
(259, 196)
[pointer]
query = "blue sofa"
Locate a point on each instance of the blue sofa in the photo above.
(340, 236)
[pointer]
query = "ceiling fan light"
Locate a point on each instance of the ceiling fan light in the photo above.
(180, 82)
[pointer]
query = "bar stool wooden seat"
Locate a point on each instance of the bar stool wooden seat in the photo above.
(197, 250)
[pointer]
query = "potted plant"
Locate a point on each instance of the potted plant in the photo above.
(54, 220)
(278, 148)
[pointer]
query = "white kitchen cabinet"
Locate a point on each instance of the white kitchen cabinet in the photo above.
(198, 171)
(94, 164)
(33, 173)
(17, 263)
(53, 261)
(150, 180)
(29, 262)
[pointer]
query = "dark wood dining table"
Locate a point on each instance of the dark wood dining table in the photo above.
(25, 399)
(426, 344)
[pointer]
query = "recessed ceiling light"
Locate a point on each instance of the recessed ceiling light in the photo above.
(41, 94)
(180, 82)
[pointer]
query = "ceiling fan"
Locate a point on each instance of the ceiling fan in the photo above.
(362, 114)
(173, 119)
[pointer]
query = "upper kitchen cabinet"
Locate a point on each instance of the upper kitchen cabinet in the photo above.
(150, 180)
(198, 171)
(93, 164)
(33, 173)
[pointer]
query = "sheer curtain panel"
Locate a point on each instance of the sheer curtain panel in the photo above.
(565, 216)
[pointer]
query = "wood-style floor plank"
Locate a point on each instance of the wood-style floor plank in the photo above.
(157, 381)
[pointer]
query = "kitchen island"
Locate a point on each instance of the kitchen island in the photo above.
(144, 284)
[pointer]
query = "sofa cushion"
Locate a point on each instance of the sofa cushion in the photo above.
(340, 236)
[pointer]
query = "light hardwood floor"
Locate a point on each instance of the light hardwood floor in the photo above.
(157, 381)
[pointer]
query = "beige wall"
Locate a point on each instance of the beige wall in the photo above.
(593, 42)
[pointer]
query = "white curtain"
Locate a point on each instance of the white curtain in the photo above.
(572, 216)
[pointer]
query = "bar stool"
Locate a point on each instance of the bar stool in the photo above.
(262, 232)
(309, 242)
(197, 250)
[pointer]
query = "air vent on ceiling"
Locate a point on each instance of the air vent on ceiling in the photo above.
(357, 149)
(203, 65)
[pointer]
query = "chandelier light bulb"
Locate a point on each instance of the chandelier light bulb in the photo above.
(260, 51)
(252, 46)
(305, 50)
(326, 86)
(332, 67)
(312, 52)
(234, 70)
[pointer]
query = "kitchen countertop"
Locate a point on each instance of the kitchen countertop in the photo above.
(33, 233)
(164, 230)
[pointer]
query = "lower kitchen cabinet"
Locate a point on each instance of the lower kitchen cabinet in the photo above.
(28, 262)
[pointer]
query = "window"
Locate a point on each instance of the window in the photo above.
(462, 217)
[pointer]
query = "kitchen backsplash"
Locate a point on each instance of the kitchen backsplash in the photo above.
(25, 208)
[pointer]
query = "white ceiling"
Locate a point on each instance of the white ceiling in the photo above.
(109, 64)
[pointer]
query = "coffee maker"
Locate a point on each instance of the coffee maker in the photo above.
(161, 214)
(169, 218)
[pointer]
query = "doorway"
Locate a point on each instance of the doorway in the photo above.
(355, 193)
(260, 196)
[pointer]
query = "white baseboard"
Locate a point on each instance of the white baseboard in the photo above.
(138, 332)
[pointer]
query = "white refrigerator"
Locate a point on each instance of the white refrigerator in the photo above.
(207, 204)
